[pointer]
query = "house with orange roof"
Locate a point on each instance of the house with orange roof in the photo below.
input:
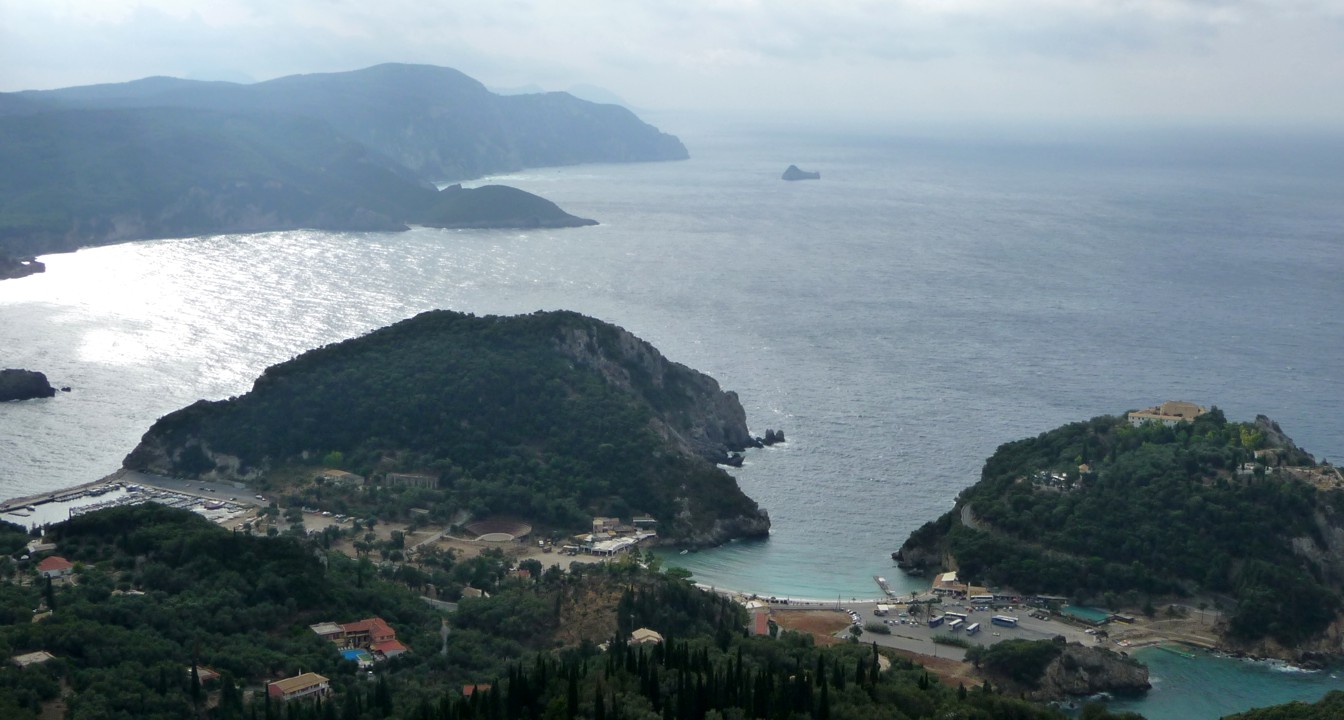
(389, 648)
(55, 567)
(368, 632)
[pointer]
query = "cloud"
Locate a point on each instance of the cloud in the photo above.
(1087, 57)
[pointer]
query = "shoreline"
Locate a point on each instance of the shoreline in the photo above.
(58, 495)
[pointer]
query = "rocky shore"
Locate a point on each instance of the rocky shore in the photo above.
(11, 268)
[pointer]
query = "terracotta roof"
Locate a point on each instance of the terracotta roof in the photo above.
(55, 562)
(298, 682)
(390, 646)
(467, 690)
(373, 626)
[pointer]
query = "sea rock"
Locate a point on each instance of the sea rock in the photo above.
(24, 385)
(772, 437)
(19, 267)
(725, 529)
(793, 173)
(1080, 671)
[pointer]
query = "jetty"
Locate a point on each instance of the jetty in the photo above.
(884, 586)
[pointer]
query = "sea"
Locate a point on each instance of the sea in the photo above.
(938, 292)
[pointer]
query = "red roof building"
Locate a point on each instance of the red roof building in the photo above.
(389, 648)
(368, 632)
(760, 623)
(55, 567)
(468, 690)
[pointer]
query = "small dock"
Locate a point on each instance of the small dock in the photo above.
(883, 585)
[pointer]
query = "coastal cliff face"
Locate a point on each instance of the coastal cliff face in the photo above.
(693, 411)
(1080, 671)
(551, 416)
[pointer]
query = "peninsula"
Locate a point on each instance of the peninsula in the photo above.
(355, 151)
(553, 417)
(1173, 507)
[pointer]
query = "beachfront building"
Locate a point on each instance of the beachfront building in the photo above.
(947, 584)
(299, 687)
(1168, 413)
(55, 567)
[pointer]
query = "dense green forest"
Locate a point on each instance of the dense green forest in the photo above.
(159, 591)
(498, 409)
(1102, 510)
(163, 157)
(491, 206)
(1330, 707)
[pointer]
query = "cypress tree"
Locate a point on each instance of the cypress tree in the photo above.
(824, 706)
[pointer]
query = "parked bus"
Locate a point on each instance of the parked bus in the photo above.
(954, 615)
(1004, 620)
(935, 621)
(956, 624)
(982, 599)
(973, 628)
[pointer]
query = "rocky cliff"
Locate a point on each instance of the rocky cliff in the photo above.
(694, 413)
(1080, 671)
(24, 385)
(552, 416)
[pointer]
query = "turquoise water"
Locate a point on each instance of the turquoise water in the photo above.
(1210, 686)
(1085, 613)
(927, 300)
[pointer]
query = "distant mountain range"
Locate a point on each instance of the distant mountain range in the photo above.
(165, 157)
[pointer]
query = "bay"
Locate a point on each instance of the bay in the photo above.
(931, 297)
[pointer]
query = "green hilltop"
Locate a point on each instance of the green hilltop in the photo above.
(1103, 511)
(551, 416)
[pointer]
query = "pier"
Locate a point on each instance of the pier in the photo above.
(884, 586)
(124, 488)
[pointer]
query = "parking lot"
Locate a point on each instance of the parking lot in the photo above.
(913, 634)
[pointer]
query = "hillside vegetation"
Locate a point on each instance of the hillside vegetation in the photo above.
(553, 416)
(160, 595)
(1103, 511)
(162, 157)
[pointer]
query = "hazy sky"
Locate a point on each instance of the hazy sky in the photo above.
(1238, 60)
